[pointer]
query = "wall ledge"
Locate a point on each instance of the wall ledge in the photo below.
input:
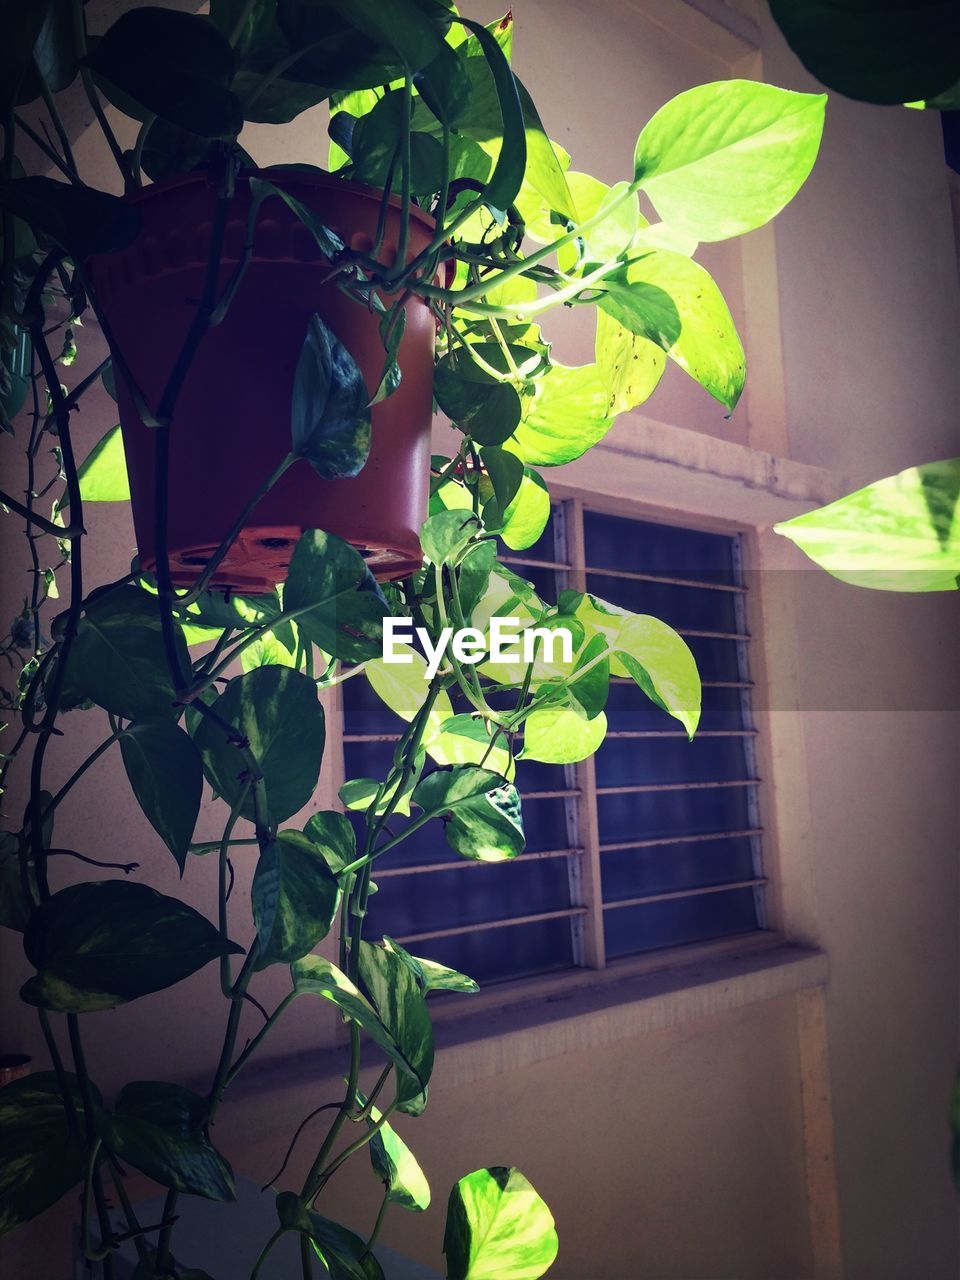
(494, 1041)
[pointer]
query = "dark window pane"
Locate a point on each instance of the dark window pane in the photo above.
(659, 814)
(642, 546)
(492, 955)
(634, 873)
(630, 930)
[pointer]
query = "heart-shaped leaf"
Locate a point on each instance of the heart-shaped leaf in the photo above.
(335, 598)
(295, 897)
(103, 472)
(160, 1129)
(497, 1226)
(277, 712)
(42, 1154)
(480, 808)
(99, 944)
(330, 418)
(81, 220)
(724, 158)
(165, 772)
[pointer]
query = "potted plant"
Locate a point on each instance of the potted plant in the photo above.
(302, 323)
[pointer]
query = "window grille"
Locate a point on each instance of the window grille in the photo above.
(652, 843)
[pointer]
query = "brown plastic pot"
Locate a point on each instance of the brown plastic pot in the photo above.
(231, 426)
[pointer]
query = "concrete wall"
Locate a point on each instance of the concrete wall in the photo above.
(701, 1144)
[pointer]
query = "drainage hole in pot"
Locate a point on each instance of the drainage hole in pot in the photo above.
(274, 544)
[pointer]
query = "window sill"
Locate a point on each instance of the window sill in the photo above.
(517, 1024)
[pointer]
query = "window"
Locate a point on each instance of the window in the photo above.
(653, 843)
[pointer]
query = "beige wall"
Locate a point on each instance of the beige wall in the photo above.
(686, 1148)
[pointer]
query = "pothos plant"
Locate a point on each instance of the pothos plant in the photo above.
(200, 686)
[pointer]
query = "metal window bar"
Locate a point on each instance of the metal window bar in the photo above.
(749, 744)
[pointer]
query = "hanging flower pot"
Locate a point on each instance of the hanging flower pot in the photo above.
(231, 426)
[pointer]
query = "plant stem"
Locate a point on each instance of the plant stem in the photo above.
(258, 1039)
(375, 1233)
(306, 1258)
(266, 1251)
(406, 174)
(78, 773)
(67, 532)
(80, 41)
(311, 1184)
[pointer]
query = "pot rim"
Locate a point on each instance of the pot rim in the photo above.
(307, 177)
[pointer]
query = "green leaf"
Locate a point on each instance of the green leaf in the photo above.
(103, 473)
(400, 24)
(277, 712)
(16, 907)
(630, 366)
(505, 471)
(885, 53)
(901, 533)
(313, 975)
(674, 302)
(271, 649)
(375, 147)
(395, 1164)
(359, 793)
(543, 170)
(335, 598)
(99, 944)
(330, 421)
(343, 1253)
(430, 975)
(404, 688)
(399, 1001)
(295, 897)
(444, 86)
(56, 53)
(615, 232)
(504, 183)
(652, 653)
(560, 735)
(333, 835)
(526, 517)
(481, 811)
(160, 1129)
(498, 1228)
(465, 739)
(724, 158)
(479, 406)
(566, 416)
(166, 775)
(174, 65)
(42, 1155)
(260, 46)
(82, 220)
(118, 658)
(444, 537)
(22, 24)
(591, 690)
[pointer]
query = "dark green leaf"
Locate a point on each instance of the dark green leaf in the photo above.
(99, 944)
(444, 86)
(481, 811)
(21, 24)
(430, 975)
(16, 907)
(400, 24)
(313, 975)
(475, 568)
(103, 472)
(81, 220)
(343, 1254)
(901, 533)
(333, 835)
(330, 420)
(507, 176)
(118, 659)
(160, 1129)
(164, 770)
(335, 598)
(399, 1001)
(885, 53)
(260, 46)
(375, 143)
(336, 54)
(393, 323)
(174, 65)
(591, 690)
(42, 1155)
(487, 410)
(169, 151)
(497, 1226)
(506, 474)
(294, 896)
(56, 52)
(275, 711)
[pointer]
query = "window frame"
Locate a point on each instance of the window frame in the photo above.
(594, 970)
